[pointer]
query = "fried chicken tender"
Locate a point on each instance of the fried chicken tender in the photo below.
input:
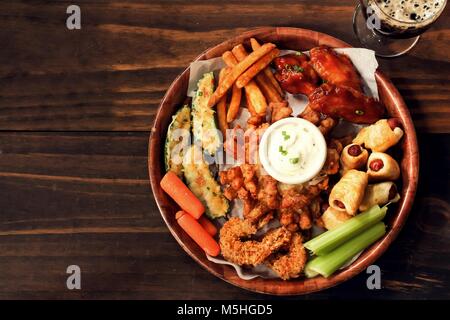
(233, 180)
(291, 264)
(268, 191)
(334, 150)
(252, 137)
(280, 110)
(249, 173)
(295, 220)
(297, 204)
(311, 115)
(326, 125)
(255, 120)
(256, 213)
(324, 122)
(289, 219)
(331, 165)
(258, 192)
(250, 252)
(266, 195)
(234, 187)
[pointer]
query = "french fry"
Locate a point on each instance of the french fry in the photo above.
(268, 73)
(235, 103)
(237, 70)
(252, 91)
(250, 107)
(267, 89)
(256, 68)
(256, 98)
(229, 59)
(236, 95)
(239, 52)
(222, 106)
(256, 102)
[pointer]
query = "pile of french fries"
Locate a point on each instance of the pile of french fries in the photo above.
(248, 72)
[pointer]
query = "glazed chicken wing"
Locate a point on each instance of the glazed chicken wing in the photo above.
(335, 68)
(295, 74)
(345, 102)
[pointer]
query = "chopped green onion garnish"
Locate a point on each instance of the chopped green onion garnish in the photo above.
(332, 239)
(298, 68)
(326, 265)
(285, 135)
(282, 151)
(294, 160)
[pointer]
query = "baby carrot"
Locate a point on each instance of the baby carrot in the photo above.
(208, 225)
(197, 233)
(181, 194)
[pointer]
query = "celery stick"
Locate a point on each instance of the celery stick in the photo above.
(331, 239)
(308, 272)
(326, 265)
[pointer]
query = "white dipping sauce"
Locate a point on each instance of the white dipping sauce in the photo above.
(292, 150)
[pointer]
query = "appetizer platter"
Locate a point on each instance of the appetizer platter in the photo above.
(283, 161)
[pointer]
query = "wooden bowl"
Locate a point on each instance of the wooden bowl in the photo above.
(296, 39)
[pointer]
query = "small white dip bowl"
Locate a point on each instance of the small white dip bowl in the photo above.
(313, 161)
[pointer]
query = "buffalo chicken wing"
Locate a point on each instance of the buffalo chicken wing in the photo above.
(334, 68)
(295, 74)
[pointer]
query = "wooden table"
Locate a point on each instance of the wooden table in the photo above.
(76, 108)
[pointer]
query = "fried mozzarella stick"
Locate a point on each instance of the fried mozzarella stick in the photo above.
(269, 75)
(237, 70)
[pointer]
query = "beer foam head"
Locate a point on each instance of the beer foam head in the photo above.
(411, 11)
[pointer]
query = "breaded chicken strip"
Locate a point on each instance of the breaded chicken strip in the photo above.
(250, 252)
(291, 264)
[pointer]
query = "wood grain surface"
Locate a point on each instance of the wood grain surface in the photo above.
(76, 108)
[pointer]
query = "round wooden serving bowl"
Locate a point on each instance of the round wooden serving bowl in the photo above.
(296, 39)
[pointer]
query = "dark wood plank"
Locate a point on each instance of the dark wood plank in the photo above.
(79, 182)
(111, 74)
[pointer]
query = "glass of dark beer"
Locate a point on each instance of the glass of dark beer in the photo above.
(393, 27)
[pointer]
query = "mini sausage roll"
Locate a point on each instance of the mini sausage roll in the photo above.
(348, 193)
(379, 194)
(333, 218)
(380, 136)
(382, 167)
(353, 157)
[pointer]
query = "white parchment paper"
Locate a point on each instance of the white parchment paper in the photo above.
(364, 61)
